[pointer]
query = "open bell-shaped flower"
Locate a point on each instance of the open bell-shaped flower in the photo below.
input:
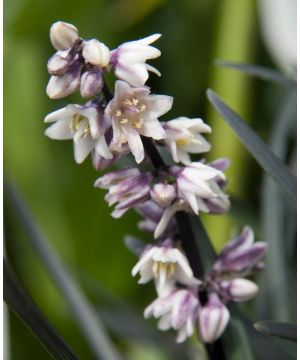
(134, 112)
(127, 188)
(84, 124)
(178, 310)
(166, 265)
(129, 60)
(183, 137)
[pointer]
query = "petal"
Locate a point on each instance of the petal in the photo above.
(158, 105)
(82, 149)
(134, 74)
(135, 144)
(60, 130)
(164, 221)
(102, 148)
(60, 114)
(153, 129)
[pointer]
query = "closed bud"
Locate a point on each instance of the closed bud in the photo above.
(61, 86)
(91, 83)
(59, 63)
(163, 194)
(96, 53)
(213, 319)
(63, 35)
(242, 289)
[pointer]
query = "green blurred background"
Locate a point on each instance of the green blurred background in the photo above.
(60, 194)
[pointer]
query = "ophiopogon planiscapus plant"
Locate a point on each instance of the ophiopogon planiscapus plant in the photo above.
(110, 126)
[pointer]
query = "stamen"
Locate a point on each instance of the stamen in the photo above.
(134, 101)
(127, 102)
(138, 123)
(183, 142)
(118, 113)
(124, 121)
(76, 121)
(168, 267)
(142, 107)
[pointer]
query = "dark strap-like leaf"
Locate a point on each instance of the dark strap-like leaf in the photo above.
(261, 152)
(84, 313)
(260, 72)
(282, 330)
(23, 306)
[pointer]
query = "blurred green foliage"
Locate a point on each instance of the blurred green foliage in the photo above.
(60, 194)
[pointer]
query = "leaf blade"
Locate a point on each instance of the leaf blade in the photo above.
(282, 330)
(258, 71)
(280, 173)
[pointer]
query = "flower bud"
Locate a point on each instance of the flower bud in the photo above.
(63, 35)
(96, 53)
(242, 289)
(91, 83)
(213, 319)
(59, 63)
(61, 86)
(163, 194)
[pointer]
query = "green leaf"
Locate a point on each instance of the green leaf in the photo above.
(85, 315)
(261, 152)
(257, 71)
(282, 330)
(23, 306)
(277, 217)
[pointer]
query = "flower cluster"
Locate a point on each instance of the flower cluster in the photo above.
(185, 302)
(110, 126)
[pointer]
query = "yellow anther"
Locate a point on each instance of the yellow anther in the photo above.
(124, 121)
(118, 112)
(183, 142)
(142, 107)
(167, 267)
(138, 123)
(86, 130)
(76, 122)
(134, 101)
(127, 102)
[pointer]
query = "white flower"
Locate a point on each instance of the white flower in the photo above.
(197, 182)
(129, 60)
(63, 35)
(134, 112)
(127, 188)
(83, 124)
(213, 319)
(165, 265)
(183, 137)
(197, 188)
(179, 310)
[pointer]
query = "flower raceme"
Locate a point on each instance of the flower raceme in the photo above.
(111, 126)
(80, 64)
(192, 188)
(179, 305)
